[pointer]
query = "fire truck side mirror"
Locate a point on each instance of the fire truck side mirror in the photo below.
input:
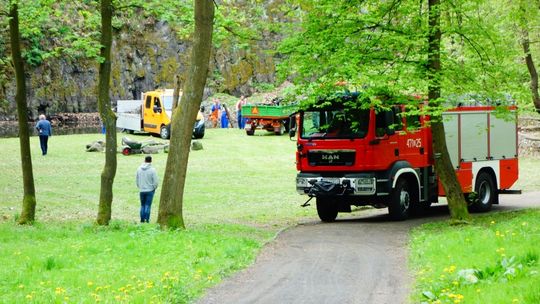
(292, 133)
(292, 126)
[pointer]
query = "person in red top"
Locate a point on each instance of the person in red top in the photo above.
(241, 120)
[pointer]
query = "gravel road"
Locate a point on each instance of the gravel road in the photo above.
(358, 259)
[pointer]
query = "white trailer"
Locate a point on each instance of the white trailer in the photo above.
(129, 115)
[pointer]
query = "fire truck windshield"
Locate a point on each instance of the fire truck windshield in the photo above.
(335, 123)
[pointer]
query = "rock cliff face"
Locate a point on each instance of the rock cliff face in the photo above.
(146, 56)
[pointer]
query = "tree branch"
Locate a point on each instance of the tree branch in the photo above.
(230, 30)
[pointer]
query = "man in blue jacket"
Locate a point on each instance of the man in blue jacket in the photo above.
(44, 129)
(147, 182)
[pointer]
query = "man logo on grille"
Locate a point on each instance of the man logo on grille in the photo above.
(330, 157)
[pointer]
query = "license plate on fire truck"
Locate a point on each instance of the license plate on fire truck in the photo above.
(333, 180)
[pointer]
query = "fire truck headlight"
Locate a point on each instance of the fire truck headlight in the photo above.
(365, 185)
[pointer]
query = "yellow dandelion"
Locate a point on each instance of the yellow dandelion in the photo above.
(478, 289)
(451, 295)
(455, 282)
(456, 301)
(89, 283)
(492, 222)
(21, 286)
(515, 300)
(29, 296)
(459, 296)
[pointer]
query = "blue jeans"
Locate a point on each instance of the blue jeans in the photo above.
(43, 139)
(240, 120)
(146, 204)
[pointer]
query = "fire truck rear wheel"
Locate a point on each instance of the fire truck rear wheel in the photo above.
(485, 193)
(326, 209)
(400, 201)
(250, 132)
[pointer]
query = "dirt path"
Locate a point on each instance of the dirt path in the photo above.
(360, 259)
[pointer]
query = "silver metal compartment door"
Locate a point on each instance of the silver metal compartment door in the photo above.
(503, 137)
(450, 121)
(474, 140)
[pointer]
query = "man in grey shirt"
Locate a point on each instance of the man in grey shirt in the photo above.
(147, 182)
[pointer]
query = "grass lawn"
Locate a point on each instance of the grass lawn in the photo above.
(494, 260)
(239, 192)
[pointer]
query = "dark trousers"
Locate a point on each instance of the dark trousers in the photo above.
(146, 204)
(43, 139)
(240, 120)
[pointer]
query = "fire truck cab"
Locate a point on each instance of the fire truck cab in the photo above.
(349, 155)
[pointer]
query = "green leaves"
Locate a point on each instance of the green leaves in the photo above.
(384, 43)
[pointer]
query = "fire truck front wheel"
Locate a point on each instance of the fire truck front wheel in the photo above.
(326, 209)
(485, 193)
(400, 201)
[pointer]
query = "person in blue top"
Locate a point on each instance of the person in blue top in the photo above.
(44, 129)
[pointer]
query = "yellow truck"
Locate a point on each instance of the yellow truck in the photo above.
(152, 114)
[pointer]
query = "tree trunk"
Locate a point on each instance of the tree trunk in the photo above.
(29, 197)
(172, 191)
(107, 116)
(525, 43)
(443, 164)
(176, 91)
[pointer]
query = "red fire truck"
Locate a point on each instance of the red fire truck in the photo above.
(352, 156)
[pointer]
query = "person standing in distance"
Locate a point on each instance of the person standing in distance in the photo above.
(147, 182)
(44, 129)
(241, 121)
